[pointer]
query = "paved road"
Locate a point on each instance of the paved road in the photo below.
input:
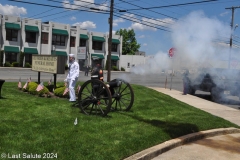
(161, 80)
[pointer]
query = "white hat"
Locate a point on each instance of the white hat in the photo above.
(71, 55)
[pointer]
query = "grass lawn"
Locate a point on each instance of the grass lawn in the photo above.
(35, 125)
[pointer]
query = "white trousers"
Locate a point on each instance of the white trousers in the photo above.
(72, 94)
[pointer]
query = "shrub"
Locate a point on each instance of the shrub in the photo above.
(59, 92)
(122, 69)
(51, 87)
(7, 64)
(28, 65)
(114, 68)
(32, 86)
(15, 64)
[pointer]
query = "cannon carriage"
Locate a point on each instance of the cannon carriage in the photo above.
(99, 98)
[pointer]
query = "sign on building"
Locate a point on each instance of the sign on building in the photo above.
(48, 63)
(81, 52)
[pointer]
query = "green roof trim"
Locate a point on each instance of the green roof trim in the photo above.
(100, 39)
(30, 50)
(31, 28)
(11, 49)
(83, 36)
(97, 56)
(60, 32)
(12, 25)
(116, 41)
(114, 57)
(59, 53)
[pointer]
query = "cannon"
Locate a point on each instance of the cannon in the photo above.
(99, 98)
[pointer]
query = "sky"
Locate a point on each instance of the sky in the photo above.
(153, 21)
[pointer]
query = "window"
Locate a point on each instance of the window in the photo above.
(58, 40)
(30, 37)
(128, 65)
(114, 63)
(11, 34)
(114, 47)
(97, 45)
(72, 41)
(44, 38)
(28, 58)
(11, 57)
(82, 42)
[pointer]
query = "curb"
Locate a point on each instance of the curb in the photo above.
(154, 151)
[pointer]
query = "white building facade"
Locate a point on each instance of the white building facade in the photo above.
(25, 36)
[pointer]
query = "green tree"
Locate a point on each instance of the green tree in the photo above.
(129, 42)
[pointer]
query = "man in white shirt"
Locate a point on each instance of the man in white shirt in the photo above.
(72, 77)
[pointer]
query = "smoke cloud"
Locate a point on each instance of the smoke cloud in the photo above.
(198, 42)
(202, 47)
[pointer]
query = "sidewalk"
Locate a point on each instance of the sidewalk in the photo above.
(216, 109)
(219, 144)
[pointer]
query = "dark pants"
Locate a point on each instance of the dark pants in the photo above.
(86, 73)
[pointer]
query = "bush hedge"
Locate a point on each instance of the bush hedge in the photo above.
(28, 65)
(46, 92)
(114, 68)
(59, 92)
(15, 64)
(122, 69)
(7, 64)
(31, 88)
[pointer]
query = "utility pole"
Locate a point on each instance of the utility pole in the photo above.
(110, 21)
(232, 21)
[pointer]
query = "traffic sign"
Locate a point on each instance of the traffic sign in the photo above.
(171, 52)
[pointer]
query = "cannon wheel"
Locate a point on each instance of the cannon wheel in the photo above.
(94, 98)
(123, 96)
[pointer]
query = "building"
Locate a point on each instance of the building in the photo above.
(141, 53)
(20, 38)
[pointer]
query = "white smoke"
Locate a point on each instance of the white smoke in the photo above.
(153, 65)
(197, 40)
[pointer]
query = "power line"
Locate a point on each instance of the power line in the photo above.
(149, 10)
(66, 11)
(166, 9)
(141, 23)
(74, 4)
(146, 23)
(89, 11)
(96, 9)
(148, 18)
(173, 5)
(42, 12)
(46, 5)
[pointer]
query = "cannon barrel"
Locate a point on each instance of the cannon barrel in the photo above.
(114, 84)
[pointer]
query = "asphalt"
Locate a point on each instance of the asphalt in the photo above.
(216, 144)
